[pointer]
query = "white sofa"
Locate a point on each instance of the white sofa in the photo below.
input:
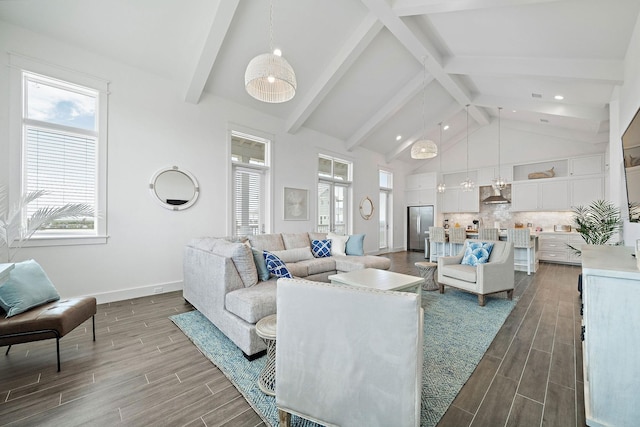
(221, 280)
(348, 356)
(496, 275)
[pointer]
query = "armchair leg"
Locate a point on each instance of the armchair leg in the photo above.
(284, 417)
(441, 288)
(481, 300)
(510, 294)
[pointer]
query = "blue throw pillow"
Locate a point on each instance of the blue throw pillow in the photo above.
(355, 245)
(477, 253)
(276, 266)
(27, 287)
(321, 248)
(261, 265)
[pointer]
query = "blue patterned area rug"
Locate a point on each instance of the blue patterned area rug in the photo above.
(457, 332)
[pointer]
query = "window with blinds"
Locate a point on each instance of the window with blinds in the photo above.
(334, 184)
(250, 164)
(60, 147)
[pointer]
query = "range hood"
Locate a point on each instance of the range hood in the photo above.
(496, 198)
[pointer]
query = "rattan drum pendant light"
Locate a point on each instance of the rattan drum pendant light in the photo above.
(269, 77)
(424, 148)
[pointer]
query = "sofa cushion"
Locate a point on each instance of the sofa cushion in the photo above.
(254, 303)
(314, 235)
(267, 242)
(294, 255)
(27, 287)
(239, 253)
(355, 245)
(346, 263)
(476, 253)
(276, 266)
(295, 240)
(317, 266)
(462, 272)
(261, 264)
(338, 244)
(321, 248)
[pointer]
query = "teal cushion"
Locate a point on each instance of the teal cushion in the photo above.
(27, 287)
(477, 253)
(355, 245)
(261, 265)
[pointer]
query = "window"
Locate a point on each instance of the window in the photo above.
(384, 211)
(250, 165)
(62, 137)
(334, 185)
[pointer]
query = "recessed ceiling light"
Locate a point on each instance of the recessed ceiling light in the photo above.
(558, 97)
(514, 111)
(445, 127)
(398, 138)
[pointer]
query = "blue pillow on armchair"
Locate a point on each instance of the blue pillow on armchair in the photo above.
(477, 253)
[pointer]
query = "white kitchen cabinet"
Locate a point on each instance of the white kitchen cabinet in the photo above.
(420, 181)
(554, 247)
(524, 196)
(420, 197)
(543, 195)
(589, 165)
(487, 175)
(554, 196)
(586, 190)
(455, 200)
(611, 337)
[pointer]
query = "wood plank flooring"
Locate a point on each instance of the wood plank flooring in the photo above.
(143, 371)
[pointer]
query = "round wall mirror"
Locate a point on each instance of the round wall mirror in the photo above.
(366, 208)
(174, 188)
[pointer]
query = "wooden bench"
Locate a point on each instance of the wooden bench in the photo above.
(52, 320)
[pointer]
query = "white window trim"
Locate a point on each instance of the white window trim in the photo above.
(267, 169)
(348, 184)
(19, 63)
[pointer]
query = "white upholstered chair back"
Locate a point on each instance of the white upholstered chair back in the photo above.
(348, 356)
(457, 236)
(521, 238)
(439, 238)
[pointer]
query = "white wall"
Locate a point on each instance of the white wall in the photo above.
(150, 127)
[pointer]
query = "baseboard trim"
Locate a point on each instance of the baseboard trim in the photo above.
(142, 291)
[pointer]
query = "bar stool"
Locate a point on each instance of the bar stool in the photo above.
(521, 238)
(437, 236)
(457, 236)
(488, 234)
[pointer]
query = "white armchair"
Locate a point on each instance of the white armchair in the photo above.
(497, 275)
(348, 356)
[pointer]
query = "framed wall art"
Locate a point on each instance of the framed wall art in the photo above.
(296, 204)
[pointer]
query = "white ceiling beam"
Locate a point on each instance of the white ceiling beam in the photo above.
(600, 137)
(552, 108)
(445, 114)
(219, 27)
(399, 100)
(421, 7)
(422, 50)
(339, 65)
(607, 71)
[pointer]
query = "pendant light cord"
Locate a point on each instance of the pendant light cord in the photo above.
(271, 27)
(499, 110)
(467, 142)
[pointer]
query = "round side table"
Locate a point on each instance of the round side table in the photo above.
(428, 270)
(266, 329)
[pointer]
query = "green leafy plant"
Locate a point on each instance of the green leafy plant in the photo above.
(596, 223)
(14, 233)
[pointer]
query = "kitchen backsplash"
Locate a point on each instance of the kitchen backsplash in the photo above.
(489, 215)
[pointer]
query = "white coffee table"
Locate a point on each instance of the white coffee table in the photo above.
(379, 279)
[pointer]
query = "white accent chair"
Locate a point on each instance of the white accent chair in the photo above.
(496, 275)
(348, 356)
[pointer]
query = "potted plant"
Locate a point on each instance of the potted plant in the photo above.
(14, 232)
(596, 223)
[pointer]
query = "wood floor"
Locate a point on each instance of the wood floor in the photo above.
(142, 371)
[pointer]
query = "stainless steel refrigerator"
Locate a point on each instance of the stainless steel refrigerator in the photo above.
(419, 219)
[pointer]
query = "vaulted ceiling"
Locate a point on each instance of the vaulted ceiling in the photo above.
(360, 64)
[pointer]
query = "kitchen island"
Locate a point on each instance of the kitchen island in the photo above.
(519, 255)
